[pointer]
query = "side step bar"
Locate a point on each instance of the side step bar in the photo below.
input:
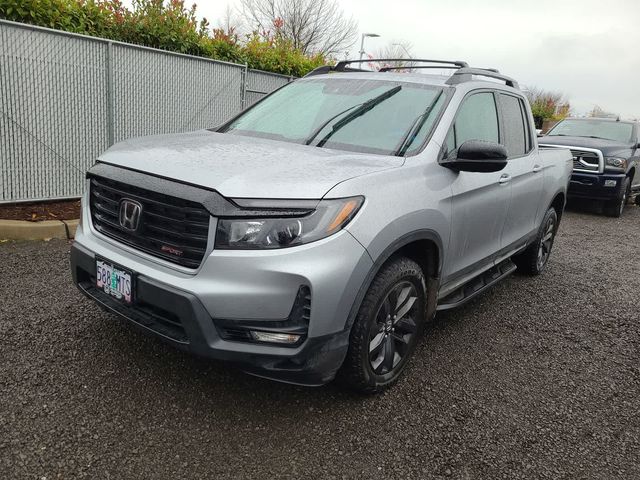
(477, 285)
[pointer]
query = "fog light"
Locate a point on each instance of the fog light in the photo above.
(271, 337)
(610, 183)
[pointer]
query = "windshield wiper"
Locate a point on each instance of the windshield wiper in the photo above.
(417, 125)
(359, 111)
(594, 136)
(324, 124)
(581, 136)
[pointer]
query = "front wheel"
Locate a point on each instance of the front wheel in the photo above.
(616, 207)
(533, 260)
(387, 328)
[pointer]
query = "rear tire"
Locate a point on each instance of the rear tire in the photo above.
(388, 326)
(616, 207)
(534, 259)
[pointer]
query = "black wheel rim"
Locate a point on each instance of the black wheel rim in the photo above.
(393, 329)
(544, 250)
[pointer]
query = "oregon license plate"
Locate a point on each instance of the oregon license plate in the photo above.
(114, 281)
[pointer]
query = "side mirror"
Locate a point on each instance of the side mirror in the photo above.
(478, 156)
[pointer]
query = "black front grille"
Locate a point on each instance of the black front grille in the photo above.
(170, 228)
(585, 160)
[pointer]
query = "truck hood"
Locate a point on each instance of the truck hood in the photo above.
(238, 166)
(607, 147)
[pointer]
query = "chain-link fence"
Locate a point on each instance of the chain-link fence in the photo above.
(65, 98)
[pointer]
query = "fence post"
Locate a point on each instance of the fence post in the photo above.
(243, 86)
(110, 100)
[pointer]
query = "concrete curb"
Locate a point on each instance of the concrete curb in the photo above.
(23, 230)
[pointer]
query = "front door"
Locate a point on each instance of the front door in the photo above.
(480, 201)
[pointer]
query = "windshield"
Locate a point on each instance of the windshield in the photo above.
(616, 131)
(373, 116)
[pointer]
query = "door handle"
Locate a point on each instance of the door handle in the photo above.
(505, 178)
(537, 168)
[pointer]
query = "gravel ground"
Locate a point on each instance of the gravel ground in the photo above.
(538, 378)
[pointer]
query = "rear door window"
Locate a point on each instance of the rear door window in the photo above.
(514, 124)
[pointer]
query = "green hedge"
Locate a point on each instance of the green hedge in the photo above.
(168, 26)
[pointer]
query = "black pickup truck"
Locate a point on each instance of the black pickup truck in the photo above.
(606, 159)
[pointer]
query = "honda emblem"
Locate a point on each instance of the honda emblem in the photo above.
(130, 212)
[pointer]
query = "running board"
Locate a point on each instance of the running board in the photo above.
(477, 285)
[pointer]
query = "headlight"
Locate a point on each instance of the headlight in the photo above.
(616, 162)
(329, 217)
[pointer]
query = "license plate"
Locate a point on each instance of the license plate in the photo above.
(114, 281)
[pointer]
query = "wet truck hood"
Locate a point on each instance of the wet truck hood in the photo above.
(238, 166)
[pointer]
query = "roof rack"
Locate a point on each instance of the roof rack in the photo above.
(342, 66)
(464, 75)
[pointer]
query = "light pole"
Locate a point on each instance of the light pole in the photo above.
(362, 42)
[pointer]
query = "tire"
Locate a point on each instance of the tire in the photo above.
(380, 345)
(616, 207)
(535, 258)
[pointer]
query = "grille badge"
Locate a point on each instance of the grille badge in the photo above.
(129, 215)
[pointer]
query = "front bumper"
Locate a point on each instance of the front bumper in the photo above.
(594, 186)
(186, 310)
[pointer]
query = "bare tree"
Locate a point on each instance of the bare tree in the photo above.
(313, 26)
(229, 21)
(395, 49)
(600, 112)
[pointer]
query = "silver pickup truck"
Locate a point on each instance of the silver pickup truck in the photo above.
(313, 235)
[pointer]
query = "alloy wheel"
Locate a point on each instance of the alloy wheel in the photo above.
(546, 242)
(623, 202)
(394, 327)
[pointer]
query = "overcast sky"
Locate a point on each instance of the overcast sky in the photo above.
(586, 49)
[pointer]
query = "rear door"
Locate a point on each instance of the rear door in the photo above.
(480, 201)
(524, 170)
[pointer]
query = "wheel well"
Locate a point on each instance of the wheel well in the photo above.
(558, 204)
(425, 253)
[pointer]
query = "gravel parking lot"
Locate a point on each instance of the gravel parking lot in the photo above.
(539, 378)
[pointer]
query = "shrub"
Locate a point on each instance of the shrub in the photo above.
(547, 106)
(164, 25)
(97, 19)
(275, 54)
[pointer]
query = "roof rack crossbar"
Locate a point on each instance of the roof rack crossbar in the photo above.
(464, 75)
(340, 66)
(408, 67)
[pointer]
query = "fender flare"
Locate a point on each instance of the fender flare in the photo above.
(386, 254)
